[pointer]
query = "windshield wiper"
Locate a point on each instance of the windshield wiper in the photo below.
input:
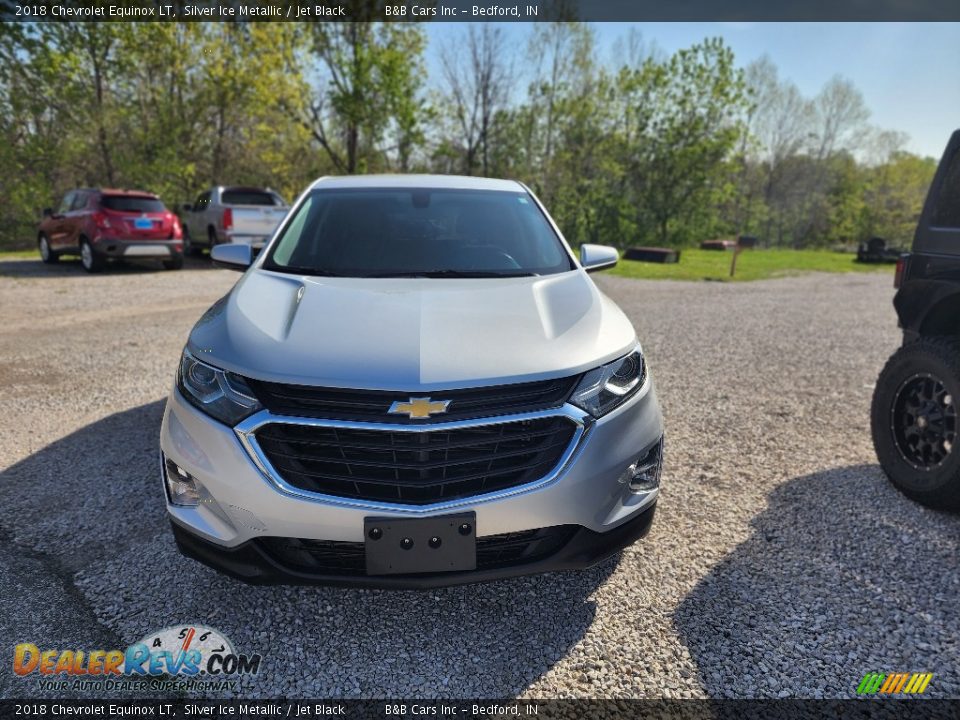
(452, 274)
(292, 270)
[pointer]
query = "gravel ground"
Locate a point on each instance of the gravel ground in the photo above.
(781, 562)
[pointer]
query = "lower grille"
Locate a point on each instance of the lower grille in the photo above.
(415, 467)
(334, 557)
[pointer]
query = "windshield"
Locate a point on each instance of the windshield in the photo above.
(250, 197)
(418, 233)
(132, 203)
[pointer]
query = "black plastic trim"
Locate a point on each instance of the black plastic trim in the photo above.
(248, 562)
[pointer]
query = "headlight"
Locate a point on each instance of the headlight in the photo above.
(220, 394)
(610, 385)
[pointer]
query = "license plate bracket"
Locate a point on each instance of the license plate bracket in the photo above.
(406, 546)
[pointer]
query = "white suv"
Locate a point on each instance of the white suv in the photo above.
(415, 384)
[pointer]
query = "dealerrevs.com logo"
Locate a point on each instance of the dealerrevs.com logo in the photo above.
(180, 657)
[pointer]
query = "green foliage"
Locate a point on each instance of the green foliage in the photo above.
(159, 106)
(370, 79)
(684, 122)
(656, 150)
(893, 195)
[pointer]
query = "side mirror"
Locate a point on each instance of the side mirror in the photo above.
(232, 257)
(48, 212)
(187, 207)
(598, 257)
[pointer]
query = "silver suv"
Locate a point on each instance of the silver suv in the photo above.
(415, 384)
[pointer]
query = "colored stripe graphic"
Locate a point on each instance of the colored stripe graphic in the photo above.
(894, 683)
(925, 679)
(870, 683)
(890, 682)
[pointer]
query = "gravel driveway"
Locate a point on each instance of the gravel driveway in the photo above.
(781, 562)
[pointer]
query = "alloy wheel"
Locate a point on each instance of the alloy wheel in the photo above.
(924, 421)
(86, 255)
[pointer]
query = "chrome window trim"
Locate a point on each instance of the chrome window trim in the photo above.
(246, 432)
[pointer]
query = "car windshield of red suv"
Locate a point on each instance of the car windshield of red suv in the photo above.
(132, 203)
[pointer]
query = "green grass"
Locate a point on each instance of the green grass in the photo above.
(17, 254)
(698, 264)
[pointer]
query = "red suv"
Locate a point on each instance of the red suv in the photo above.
(99, 224)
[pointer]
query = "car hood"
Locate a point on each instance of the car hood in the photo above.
(411, 333)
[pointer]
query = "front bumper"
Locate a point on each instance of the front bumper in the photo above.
(253, 563)
(244, 504)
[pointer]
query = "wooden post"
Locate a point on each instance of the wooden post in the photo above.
(744, 242)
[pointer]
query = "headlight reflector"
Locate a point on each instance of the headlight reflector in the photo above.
(222, 395)
(610, 385)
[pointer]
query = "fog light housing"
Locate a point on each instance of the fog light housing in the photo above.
(183, 489)
(643, 476)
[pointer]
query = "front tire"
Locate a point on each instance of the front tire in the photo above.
(91, 261)
(46, 254)
(914, 421)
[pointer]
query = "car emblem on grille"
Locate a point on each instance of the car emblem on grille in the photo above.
(419, 408)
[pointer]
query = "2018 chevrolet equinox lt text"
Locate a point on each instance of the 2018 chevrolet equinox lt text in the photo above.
(415, 384)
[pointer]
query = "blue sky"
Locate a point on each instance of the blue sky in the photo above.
(909, 73)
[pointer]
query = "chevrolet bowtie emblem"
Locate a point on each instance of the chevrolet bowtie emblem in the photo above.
(419, 408)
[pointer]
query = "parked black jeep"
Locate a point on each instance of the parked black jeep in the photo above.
(914, 415)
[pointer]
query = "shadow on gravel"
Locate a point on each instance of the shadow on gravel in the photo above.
(91, 493)
(842, 576)
(74, 503)
(91, 506)
(70, 267)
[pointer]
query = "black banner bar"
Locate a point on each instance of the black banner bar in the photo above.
(478, 10)
(310, 709)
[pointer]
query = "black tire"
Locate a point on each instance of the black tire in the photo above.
(212, 237)
(46, 254)
(174, 263)
(91, 261)
(914, 421)
(188, 247)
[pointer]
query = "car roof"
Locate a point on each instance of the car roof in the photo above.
(244, 188)
(118, 191)
(438, 182)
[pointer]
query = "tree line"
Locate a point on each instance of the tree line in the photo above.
(646, 148)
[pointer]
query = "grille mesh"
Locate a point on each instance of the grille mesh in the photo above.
(418, 467)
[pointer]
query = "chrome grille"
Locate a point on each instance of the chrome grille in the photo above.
(372, 405)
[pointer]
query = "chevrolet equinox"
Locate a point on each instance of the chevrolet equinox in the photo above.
(415, 384)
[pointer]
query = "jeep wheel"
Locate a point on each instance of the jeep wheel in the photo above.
(914, 421)
(91, 262)
(46, 254)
